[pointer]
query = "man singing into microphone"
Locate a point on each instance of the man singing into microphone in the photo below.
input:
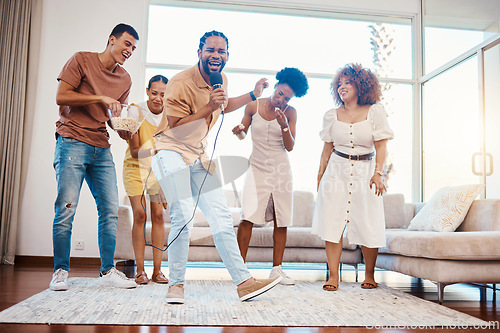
(185, 172)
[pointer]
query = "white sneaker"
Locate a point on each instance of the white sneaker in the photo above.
(59, 280)
(115, 278)
(278, 271)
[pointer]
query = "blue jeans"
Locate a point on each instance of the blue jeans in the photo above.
(74, 161)
(181, 184)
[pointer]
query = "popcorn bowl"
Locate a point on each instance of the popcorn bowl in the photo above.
(130, 119)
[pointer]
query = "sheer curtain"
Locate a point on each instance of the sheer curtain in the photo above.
(15, 16)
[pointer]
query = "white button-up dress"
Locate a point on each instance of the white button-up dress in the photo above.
(344, 194)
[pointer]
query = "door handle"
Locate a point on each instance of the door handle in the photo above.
(474, 158)
(490, 159)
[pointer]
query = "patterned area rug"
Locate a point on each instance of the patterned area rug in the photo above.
(215, 303)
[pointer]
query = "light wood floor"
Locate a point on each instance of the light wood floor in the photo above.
(30, 277)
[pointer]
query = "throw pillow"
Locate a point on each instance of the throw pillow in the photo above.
(446, 209)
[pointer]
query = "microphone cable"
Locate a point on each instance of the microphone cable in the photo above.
(197, 200)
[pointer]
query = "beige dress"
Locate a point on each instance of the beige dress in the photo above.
(344, 196)
(269, 174)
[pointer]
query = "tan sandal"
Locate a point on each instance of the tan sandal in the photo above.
(329, 286)
(159, 278)
(141, 278)
(369, 285)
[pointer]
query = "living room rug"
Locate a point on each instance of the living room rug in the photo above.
(215, 303)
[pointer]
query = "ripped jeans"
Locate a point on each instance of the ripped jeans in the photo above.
(75, 161)
(181, 185)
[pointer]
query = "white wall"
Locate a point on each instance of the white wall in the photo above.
(68, 26)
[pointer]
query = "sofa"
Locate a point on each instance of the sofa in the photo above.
(470, 254)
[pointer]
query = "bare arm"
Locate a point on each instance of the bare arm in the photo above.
(287, 119)
(66, 95)
(234, 103)
(135, 148)
(325, 157)
(381, 151)
(250, 110)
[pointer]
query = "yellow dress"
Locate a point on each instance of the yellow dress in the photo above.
(137, 174)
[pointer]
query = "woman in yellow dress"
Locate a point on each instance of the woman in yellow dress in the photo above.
(138, 178)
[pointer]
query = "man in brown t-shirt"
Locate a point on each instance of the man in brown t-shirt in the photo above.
(184, 171)
(90, 84)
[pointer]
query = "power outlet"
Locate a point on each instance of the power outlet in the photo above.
(79, 245)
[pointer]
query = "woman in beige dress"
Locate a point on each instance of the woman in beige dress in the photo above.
(269, 177)
(350, 185)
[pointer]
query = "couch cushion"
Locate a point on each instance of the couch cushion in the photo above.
(481, 245)
(409, 214)
(446, 209)
(394, 210)
(297, 237)
(483, 215)
(303, 208)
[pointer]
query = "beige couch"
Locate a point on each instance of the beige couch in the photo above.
(301, 246)
(470, 254)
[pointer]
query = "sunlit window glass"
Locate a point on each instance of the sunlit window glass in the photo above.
(452, 28)
(318, 47)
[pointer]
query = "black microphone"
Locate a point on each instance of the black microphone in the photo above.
(216, 82)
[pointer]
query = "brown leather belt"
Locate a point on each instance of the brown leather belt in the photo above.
(356, 157)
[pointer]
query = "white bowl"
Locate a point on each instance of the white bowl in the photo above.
(130, 118)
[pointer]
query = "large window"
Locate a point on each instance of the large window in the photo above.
(453, 27)
(260, 44)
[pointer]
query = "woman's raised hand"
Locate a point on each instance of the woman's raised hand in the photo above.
(281, 118)
(238, 129)
(260, 86)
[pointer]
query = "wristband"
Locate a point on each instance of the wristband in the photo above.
(252, 95)
(379, 173)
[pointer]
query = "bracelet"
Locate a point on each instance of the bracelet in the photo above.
(380, 173)
(252, 95)
(285, 129)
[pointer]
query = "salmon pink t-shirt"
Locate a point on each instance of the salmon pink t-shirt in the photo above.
(85, 72)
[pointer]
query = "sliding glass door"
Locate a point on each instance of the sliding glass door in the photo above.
(492, 120)
(460, 95)
(451, 133)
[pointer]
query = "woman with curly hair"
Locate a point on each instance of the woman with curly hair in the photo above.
(268, 182)
(350, 186)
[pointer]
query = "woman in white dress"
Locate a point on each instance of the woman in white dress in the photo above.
(269, 177)
(350, 185)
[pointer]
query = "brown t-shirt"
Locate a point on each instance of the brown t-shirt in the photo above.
(86, 73)
(186, 93)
